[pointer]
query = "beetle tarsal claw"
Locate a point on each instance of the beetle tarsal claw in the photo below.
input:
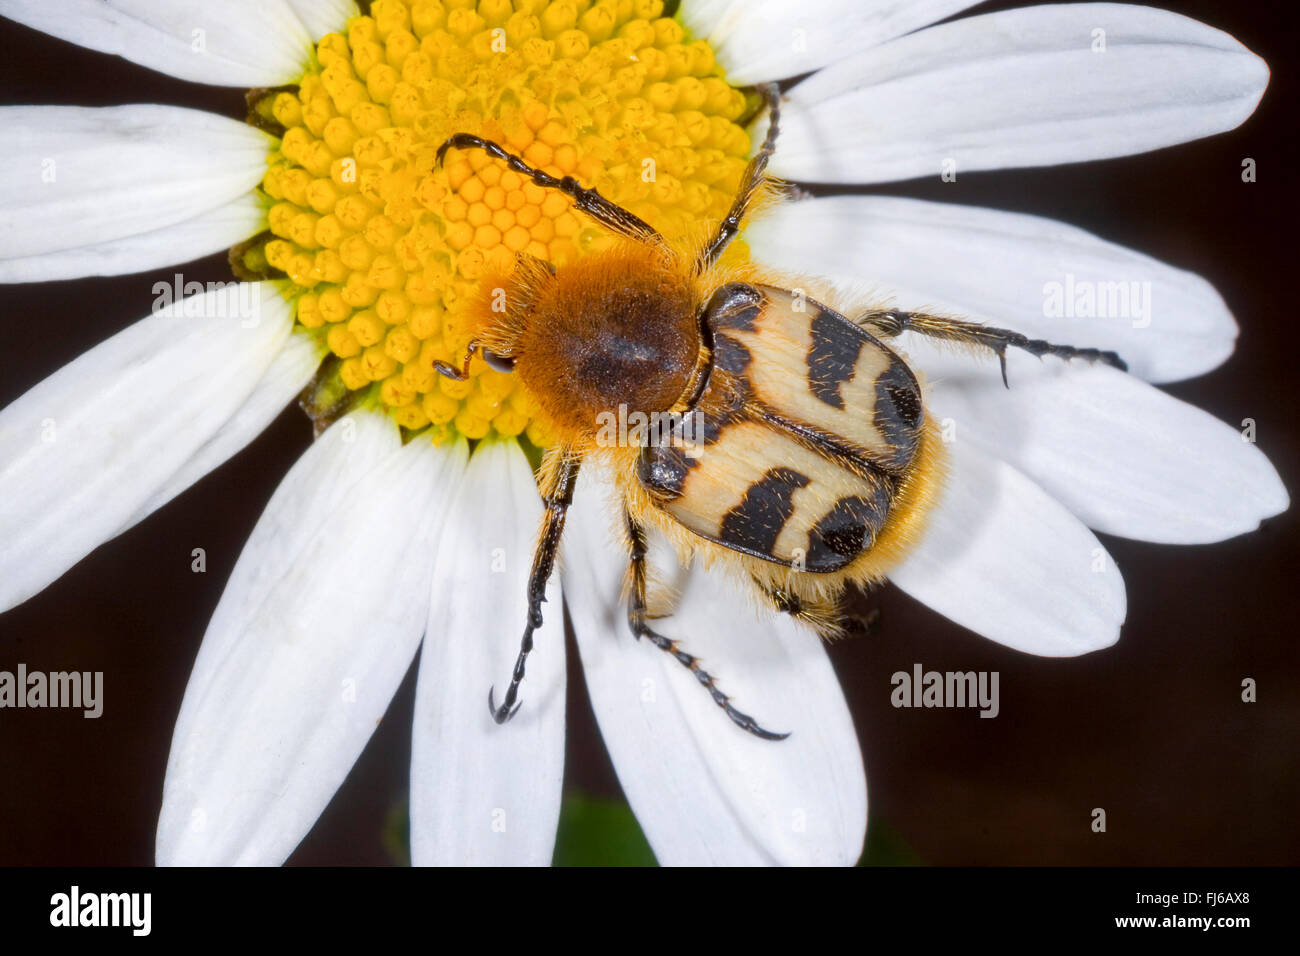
(503, 713)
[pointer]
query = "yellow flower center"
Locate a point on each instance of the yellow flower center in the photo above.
(386, 251)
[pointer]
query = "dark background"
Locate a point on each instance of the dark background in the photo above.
(1153, 729)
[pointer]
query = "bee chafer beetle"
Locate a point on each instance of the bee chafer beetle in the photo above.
(797, 453)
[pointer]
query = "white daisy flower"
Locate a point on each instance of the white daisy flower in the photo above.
(391, 536)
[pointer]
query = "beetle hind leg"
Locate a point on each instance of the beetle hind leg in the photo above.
(823, 615)
(831, 618)
(692, 664)
(891, 322)
(637, 621)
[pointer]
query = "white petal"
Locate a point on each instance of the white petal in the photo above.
(666, 778)
(79, 176)
(705, 791)
(83, 451)
(316, 487)
(1003, 558)
(208, 232)
(315, 631)
(233, 43)
(320, 17)
(1123, 456)
(483, 794)
(758, 40)
(286, 376)
(1016, 88)
(1007, 269)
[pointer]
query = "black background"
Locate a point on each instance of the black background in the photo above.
(1153, 729)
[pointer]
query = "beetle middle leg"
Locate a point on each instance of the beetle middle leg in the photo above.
(562, 475)
(637, 621)
(891, 322)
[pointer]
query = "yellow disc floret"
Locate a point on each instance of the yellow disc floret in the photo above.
(386, 249)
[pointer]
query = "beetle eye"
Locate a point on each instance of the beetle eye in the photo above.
(499, 363)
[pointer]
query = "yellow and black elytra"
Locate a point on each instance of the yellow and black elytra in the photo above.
(799, 402)
(797, 454)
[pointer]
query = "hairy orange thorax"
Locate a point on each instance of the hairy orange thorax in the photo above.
(613, 328)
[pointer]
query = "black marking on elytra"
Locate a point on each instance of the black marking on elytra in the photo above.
(729, 355)
(834, 448)
(735, 306)
(906, 402)
(848, 529)
(899, 413)
(833, 355)
(662, 468)
(756, 522)
(663, 471)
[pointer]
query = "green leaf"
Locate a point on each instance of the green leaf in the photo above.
(595, 831)
(396, 834)
(887, 847)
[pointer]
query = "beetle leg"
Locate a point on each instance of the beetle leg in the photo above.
(559, 495)
(891, 322)
(636, 621)
(749, 183)
(823, 616)
(588, 200)
(457, 374)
